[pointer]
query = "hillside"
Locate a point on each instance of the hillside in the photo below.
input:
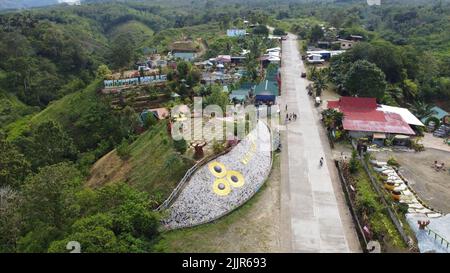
(153, 166)
(11, 108)
(139, 32)
(62, 111)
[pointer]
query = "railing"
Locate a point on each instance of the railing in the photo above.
(359, 230)
(437, 237)
(377, 188)
(391, 213)
(186, 177)
(230, 211)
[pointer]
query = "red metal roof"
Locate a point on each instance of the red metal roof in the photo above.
(333, 104)
(393, 124)
(354, 103)
(360, 114)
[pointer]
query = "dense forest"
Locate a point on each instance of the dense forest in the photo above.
(54, 124)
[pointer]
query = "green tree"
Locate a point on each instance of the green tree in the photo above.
(49, 205)
(122, 51)
(320, 83)
(119, 219)
(13, 165)
(50, 144)
(279, 32)
(261, 30)
(410, 89)
(354, 162)
(365, 79)
(218, 97)
(316, 33)
(123, 150)
(10, 219)
(103, 71)
(421, 109)
(150, 120)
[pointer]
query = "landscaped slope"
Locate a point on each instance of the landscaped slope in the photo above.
(153, 166)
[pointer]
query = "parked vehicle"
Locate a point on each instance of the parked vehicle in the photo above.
(318, 101)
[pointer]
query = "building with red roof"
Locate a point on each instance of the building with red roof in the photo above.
(363, 118)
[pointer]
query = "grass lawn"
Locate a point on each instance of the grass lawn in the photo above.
(251, 228)
(153, 166)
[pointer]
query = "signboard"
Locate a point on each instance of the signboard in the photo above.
(134, 81)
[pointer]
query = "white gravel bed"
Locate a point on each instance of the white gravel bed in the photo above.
(198, 203)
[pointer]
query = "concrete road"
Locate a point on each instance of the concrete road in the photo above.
(309, 204)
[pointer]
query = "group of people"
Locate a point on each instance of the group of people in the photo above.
(438, 167)
(291, 117)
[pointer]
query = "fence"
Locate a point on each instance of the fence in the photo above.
(359, 230)
(186, 178)
(391, 213)
(192, 170)
(437, 237)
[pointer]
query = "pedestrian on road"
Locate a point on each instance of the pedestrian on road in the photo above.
(321, 161)
(286, 107)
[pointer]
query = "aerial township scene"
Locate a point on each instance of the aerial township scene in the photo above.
(208, 126)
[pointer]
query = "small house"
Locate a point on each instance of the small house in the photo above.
(235, 32)
(356, 38)
(363, 117)
(185, 50)
(315, 58)
(266, 92)
(346, 44)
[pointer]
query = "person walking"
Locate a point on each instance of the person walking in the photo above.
(321, 161)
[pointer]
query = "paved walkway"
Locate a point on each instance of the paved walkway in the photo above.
(309, 204)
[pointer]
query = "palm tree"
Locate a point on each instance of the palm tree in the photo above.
(421, 109)
(320, 83)
(396, 93)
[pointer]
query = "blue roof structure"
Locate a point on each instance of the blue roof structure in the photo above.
(235, 32)
(438, 113)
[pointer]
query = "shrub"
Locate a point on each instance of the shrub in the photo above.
(436, 121)
(402, 208)
(393, 162)
(354, 163)
(150, 120)
(279, 32)
(180, 145)
(123, 150)
(171, 161)
(417, 146)
(217, 146)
